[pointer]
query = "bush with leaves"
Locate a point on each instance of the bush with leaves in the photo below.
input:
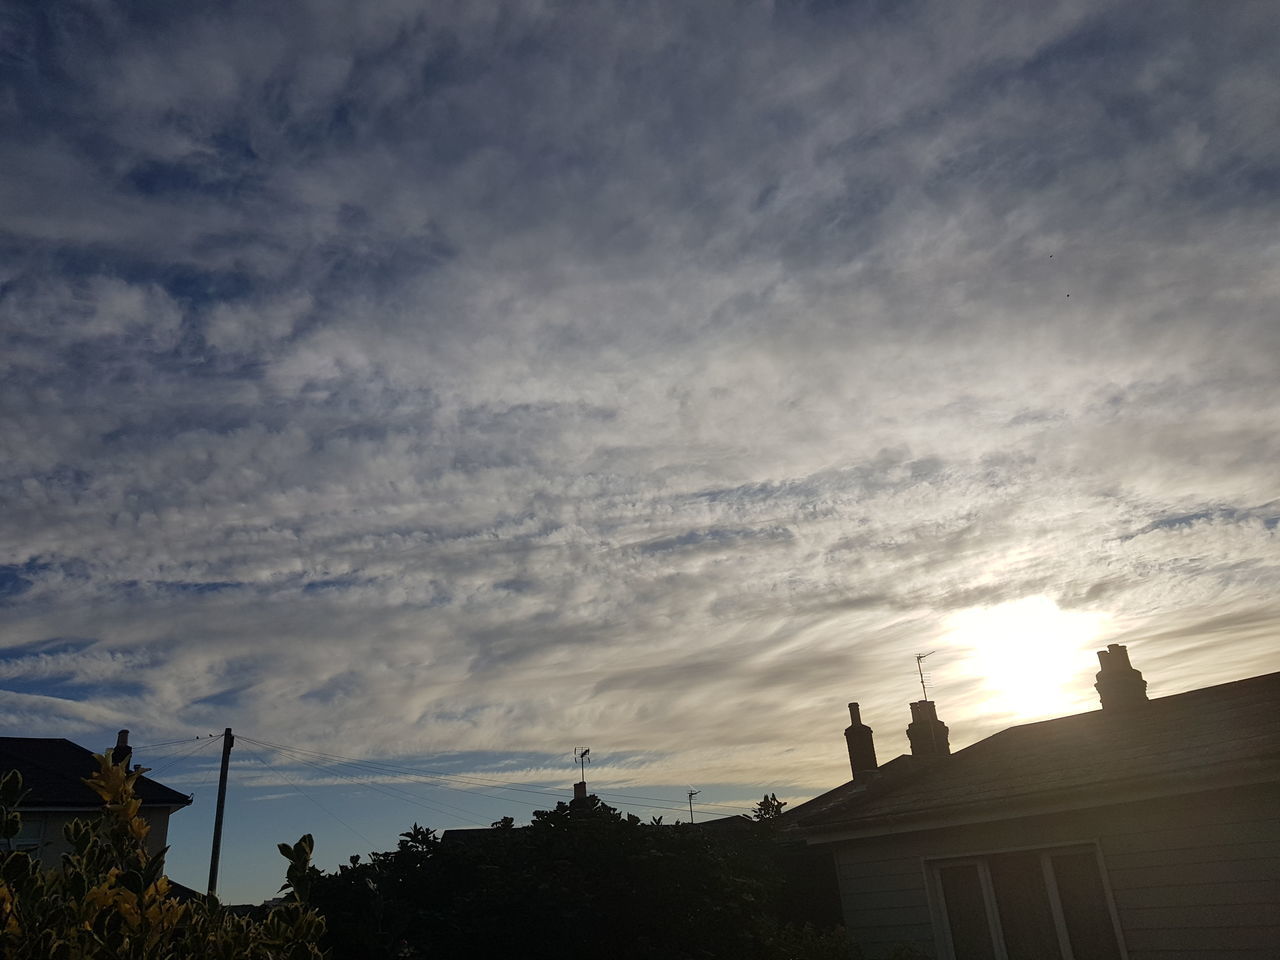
(109, 899)
(582, 880)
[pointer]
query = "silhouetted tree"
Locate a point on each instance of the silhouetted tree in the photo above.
(581, 880)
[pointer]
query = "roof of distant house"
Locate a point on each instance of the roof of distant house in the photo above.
(54, 769)
(1223, 735)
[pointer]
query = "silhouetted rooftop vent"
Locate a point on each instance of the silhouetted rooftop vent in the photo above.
(1119, 686)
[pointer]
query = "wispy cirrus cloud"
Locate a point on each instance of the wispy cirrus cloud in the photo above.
(480, 378)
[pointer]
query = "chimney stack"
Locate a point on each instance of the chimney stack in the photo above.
(122, 752)
(928, 734)
(1120, 687)
(862, 749)
(580, 790)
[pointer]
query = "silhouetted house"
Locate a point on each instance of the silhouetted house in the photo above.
(1146, 829)
(53, 774)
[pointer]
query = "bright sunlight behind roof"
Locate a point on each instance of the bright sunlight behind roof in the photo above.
(1031, 658)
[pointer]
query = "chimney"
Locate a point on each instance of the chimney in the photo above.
(1119, 686)
(928, 734)
(580, 790)
(122, 752)
(862, 749)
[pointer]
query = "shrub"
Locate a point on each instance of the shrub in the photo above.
(109, 898)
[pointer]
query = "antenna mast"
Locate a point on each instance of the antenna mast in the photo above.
(920, 658)
(692, 793)
(582, 757)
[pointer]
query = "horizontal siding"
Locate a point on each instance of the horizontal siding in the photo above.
(1194, 878)
(1191, 875)
(1210, 940)
(878, 899)
(864, 918)
(888, 867)
(1233, 915)
(1167, 895)
(1229, 833)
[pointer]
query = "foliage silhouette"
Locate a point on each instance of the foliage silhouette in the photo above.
(581, 880)
(109, 899)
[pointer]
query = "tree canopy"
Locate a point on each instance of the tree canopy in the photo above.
(581, 880)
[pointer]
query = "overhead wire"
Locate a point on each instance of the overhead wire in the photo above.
(166, 743)
(180, 755)
(385, 789)
(374, 769)
(300, 791)
(443, 780)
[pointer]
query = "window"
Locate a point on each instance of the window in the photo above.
(1027, 905)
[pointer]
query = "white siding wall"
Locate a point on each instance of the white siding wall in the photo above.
(53, 844)
(1194, 878)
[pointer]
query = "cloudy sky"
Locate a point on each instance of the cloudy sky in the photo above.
(455, 385)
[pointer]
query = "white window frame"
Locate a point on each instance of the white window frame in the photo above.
(938, 902)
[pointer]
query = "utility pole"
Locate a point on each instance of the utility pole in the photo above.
(227, 742)
(692, 793)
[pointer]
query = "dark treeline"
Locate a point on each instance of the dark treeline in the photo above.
(583, 880)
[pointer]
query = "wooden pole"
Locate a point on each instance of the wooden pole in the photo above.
(227, 742)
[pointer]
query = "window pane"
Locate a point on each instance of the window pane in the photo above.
(1084, 906)
(1026, 919)
(966, 912)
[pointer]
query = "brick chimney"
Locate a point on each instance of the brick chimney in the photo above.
(122, 752)
(1120, 687)
(928, 734)
(580, 790)
(862, 749)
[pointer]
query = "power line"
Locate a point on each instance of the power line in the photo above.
(185, 754)
(385, 768)
(386, 789)
(166, 743)
(381, 770)
(299, 790)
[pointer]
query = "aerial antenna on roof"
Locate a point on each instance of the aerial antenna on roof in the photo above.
(924, 677)
(582, 757)
(691, 794)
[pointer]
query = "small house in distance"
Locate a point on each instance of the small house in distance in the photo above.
(1146, 830)
(53, 774)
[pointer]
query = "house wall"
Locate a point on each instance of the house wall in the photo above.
(1193, 878)
(45, 828)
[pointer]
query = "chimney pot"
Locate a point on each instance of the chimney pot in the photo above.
(121, 752)
(861, 743)
(1120, 687)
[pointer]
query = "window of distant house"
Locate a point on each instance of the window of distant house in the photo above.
(1027, 905)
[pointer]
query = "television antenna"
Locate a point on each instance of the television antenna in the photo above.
(691, 794)
(582, 757)
(924, 677)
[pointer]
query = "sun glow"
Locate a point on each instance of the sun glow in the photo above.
(1030, 658)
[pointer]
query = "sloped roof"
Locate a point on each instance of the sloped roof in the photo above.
(53, 771)
(1225, 734)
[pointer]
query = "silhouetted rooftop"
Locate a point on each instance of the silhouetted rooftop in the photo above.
(54, 769)
(1215, 736)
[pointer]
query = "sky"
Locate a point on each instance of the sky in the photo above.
(450, 386)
